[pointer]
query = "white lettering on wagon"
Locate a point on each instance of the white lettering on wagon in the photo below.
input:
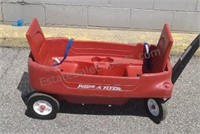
(86, 86)
(111, 88)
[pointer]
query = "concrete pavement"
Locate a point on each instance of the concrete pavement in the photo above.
(183, 117)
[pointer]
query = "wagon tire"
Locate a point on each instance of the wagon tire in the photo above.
(42, 106)
(156, 109)
(25, 95)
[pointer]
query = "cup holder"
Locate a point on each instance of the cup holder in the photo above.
(108, 59)
(98, 59)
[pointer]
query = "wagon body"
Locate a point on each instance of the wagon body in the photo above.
(90, 88)
(99, 72)
(91, 72)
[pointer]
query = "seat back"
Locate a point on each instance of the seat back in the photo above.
(35, 39)
(159, 61)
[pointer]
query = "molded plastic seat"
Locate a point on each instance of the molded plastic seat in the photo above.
(159, 61)
(43, 49)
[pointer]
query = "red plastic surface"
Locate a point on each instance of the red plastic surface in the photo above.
(164, 46)
(43, 49)
(98, 72)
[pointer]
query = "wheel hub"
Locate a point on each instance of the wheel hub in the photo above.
(153, 107)
(42, 107)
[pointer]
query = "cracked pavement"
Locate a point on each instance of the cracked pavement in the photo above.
(183, 107)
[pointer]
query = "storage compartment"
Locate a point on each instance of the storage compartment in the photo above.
(112, 70)
(134, 70)
(78, 67)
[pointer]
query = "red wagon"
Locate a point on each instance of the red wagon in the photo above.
(92, 72)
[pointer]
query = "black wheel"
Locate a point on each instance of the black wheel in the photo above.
(156, 109)
(42, 106)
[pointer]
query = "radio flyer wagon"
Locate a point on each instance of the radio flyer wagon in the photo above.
(91, 72)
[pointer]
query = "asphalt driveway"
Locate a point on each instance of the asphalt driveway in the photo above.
(183, 117)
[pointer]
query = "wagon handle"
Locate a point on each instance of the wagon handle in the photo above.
(185, 58)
